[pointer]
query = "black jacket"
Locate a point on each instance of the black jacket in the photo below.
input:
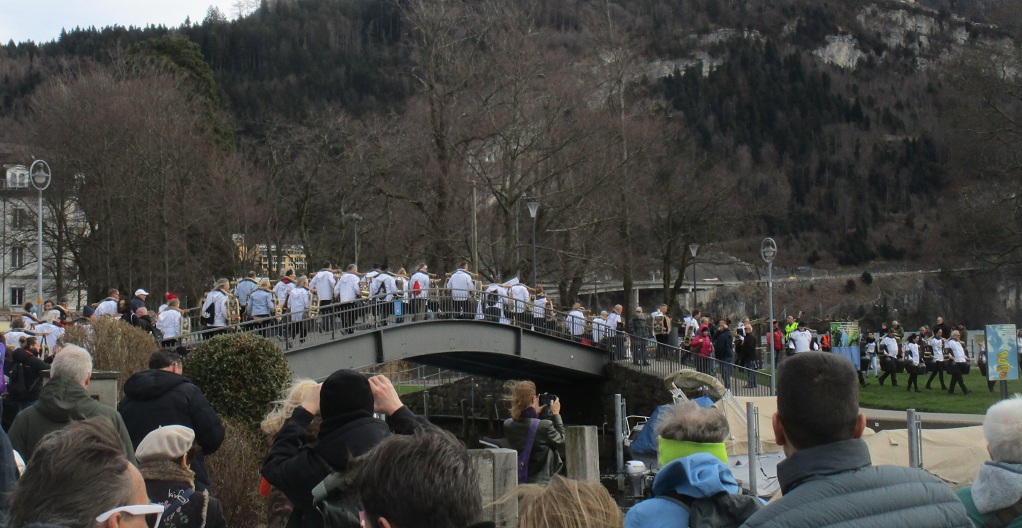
(723, 345)
(295, 467)
(154, 398)
(33, 366)
(166, 479)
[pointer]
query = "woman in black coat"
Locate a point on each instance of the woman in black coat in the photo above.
(747, 355)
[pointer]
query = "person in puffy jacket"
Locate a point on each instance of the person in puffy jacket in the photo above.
(702, 347)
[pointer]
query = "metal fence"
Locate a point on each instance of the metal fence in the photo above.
(333, 321)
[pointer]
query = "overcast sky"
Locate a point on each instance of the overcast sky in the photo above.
(42, 20)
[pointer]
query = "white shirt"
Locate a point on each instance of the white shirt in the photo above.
(298, 302)
(419, 285)
(348, 288)
(690, 322)
(912, 351)
(599, 329)
(612, 321)
(891, 343)
(460, 284)
(107, 307)
(802, 339)
(49, 333)
(957, 351)
(14, 338)
(938, 348)
(520, 295)
(575, 322)
(323, 282)
(218, 300)
(384, 283)
(282, 288)
(169, 322)
(539, 307)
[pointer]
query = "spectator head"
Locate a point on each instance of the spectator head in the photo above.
(282, 409)
(74, 363)
(1002, 428)
(30, 343)
(78, 474)
(618, 308)
(817, 402)
(956, 335)
(567, 503)
(141, 311)
(87, 312)
(791, 319)
(170, 442)
(166, 359)
(113, 293)
(688, 422)
(523, 396)
(344, 397)
(141, 294)
(424, 480)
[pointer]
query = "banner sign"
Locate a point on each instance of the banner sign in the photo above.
(1002, 352)
(844, 340)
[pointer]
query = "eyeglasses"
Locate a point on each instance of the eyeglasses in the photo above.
(149, 510)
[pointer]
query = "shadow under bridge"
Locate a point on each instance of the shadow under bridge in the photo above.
(482, 348)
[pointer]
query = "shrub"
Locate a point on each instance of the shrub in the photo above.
(867, 278)
(115, 345)
(850, 286)
(234, 475)
(240, 374)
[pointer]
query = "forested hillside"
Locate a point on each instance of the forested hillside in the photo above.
(854, 132)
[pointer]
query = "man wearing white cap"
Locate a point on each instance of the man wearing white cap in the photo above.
(139, 300)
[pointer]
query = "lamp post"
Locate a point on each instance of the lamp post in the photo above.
(694, 248)
(357, 218)
(769, 250)
(533, 212)
(40, 173)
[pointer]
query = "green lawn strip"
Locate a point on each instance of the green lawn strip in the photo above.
(934, 400)
(407, 389)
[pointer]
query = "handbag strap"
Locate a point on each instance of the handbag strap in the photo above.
(523, 457)
(176, 502)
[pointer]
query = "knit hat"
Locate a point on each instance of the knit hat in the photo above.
(87, 311)
(169, 442)
(344, 397)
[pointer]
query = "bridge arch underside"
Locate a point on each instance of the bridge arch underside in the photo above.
(476, 347)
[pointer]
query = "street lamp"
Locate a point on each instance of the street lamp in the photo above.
(40, 171)
(357, 218)
(533, 211)
(693, 248)
(769, 250)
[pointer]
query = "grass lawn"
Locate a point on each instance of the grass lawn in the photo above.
(935, 400)
(407, 389)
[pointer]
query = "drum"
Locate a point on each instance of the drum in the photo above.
(659, 325)
(313, 304)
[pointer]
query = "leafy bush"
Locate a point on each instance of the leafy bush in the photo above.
(234, 474)
(850, 286)
(867, 278)
(240, 374)
(115, 345)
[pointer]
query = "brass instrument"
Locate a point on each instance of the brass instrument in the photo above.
(690, 333)
(277, 307)
(313, 304)
(233, 310)
(186, 323)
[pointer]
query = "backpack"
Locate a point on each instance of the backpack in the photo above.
(722, 510)
(208, 315)
(18, 387)
(339, 509)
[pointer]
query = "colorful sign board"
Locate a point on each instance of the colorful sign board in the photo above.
(1002, 352)
(844, 340)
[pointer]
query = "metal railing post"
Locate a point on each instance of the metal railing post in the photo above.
(752, 420)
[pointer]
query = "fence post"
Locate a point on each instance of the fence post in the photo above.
(619, 434)
(913, 439)
(752, 420)
(498, 476)
(583, 452)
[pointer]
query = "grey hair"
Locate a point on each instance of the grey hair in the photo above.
(73, 362)
(220, 283)
(352, 267)
(1002, 428)
(689, 422)
(955, 333)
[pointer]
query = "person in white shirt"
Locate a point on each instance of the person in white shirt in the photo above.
(461, 284)
(108, 306)
(48, 332)
(575, 322)
(614, 323)
(299, 300)
(169, 323)
(539, 311)
(418, 287)
(243, 290)
(382, 292)
(891, 350)
(960, 360)
(348, 292)
(802, 338)
(283, 287)
(214, 309)
(912, 354)
(690, 326)
(599, 327)
(493, 303)
(323, 284)
(520, 298)
(939, 364)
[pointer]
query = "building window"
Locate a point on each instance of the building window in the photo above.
(17, 257)
(17, 296)
(20, 218)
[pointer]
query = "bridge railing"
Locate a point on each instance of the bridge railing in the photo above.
(331, 322)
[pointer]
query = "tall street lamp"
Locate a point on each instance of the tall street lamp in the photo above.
(533, 211)
(693, 248)
(769, 250)
(40, 171)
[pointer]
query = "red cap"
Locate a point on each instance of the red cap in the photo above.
(171, 296)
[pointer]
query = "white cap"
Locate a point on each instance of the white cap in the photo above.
(140, 291)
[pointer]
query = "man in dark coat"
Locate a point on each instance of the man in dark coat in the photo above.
(724, 350)
(162, 396)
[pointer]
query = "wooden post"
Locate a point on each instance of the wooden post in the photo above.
(498, 476)
(583, 452)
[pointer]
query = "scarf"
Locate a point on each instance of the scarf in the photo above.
(529, 413)
(168, 470)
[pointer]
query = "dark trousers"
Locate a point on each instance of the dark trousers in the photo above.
(956, 377)
(892, 374)
(639, 355)
(938, 370)
(662, 351)
(913, 377)
(463, 309)
(751, 374)
(348, 314)
(492, 313)
(727, 369)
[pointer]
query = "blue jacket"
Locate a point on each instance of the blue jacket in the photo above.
(698, 476)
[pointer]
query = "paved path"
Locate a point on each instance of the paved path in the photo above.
(951, 419)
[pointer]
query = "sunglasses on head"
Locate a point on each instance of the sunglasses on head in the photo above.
(152, 512)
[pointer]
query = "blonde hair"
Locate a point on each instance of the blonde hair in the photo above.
(265, 284)
(282, 409)
(522, 394)
(565, 503)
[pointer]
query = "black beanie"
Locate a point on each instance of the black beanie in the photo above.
(345, 397)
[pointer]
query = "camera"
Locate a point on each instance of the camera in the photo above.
(544, 402)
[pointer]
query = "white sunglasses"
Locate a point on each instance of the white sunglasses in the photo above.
(136, 509)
